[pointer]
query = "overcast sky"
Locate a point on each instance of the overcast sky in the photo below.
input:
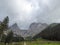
(24, 12)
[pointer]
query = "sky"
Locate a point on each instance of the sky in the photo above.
(25, 12)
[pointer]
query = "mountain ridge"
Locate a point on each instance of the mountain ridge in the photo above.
(34, 28)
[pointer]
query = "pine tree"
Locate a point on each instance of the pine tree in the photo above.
(3, 26)
(9, 37)
(5, 23)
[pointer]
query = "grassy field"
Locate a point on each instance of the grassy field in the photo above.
(35, 43)
(14, 43)
(43, 43)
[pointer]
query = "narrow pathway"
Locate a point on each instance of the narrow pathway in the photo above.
(25, 43)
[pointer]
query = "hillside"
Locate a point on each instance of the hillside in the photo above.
(52, 32)
(35, 28)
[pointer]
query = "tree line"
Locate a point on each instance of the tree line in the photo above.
(6, 35)
(52, 32)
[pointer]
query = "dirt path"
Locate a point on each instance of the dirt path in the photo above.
(25, 43)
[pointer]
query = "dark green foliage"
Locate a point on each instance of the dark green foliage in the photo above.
(5, 23)
(52, 32)
(18, 39)
(29, 38)
(3, 26)
(3, 38)
(9, 37)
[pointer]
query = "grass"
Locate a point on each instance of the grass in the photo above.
(43, 43)
(14, 43)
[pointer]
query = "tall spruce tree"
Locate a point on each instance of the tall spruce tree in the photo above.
(5, 23)
(3, 26)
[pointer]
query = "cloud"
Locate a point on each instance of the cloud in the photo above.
(50, 13)
(24, 12)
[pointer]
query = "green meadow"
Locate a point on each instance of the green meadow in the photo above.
(34, 43)
(43, 43)
(14, 43)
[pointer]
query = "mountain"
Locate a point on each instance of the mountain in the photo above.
(52, 32)
(0, 22)
(15, 28)
(36, 28)
(23, 33)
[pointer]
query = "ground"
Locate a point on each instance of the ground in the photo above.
(14, 43)
(43, 43)
(35, 43)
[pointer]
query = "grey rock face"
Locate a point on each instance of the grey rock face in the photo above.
(34, 29)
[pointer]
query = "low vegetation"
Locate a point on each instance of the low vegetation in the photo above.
(43, 43)
(14, 43)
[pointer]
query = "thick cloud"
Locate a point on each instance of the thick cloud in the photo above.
(24, 12)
